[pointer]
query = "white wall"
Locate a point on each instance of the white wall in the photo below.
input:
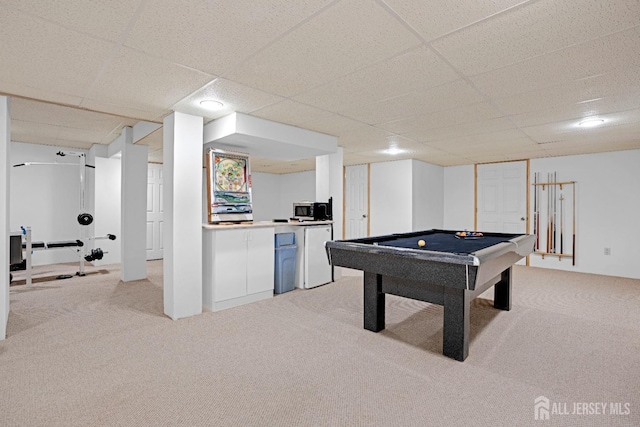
(46, 198)
(427, 196)
(296, 187)
(265, 195)
(107, 208)
(390, 197)
(458, 197)
(608, 202)
(607, 206)
(5, 177)
(274, 194)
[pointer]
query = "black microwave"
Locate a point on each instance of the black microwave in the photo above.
(313, 211)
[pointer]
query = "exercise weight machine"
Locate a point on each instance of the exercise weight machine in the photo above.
(84, 219)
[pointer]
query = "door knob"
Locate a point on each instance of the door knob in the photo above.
(364, 215)
(522, 219)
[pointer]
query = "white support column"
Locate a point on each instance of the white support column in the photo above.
(183, 176)
(329, 183)
(133, 218)
(5, 142)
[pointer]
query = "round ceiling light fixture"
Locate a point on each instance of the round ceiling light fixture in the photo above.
(210, 104)
(590, 123)
(393, 150)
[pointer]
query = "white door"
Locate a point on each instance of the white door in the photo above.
(356, 206)
(502, 197)
(155, 212)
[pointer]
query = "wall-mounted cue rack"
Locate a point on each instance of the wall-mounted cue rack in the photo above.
(554, 215)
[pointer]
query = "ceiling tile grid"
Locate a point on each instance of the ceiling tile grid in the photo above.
(215, 36)
(447, 82)
(64, 61)
(539, 28)
(106, 20)
(143, 82)
(343, 38)
(436, 19)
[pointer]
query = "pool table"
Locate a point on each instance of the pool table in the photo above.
(448, 270)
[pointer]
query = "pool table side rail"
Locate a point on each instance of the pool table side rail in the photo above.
(454, 275)
(447, 269)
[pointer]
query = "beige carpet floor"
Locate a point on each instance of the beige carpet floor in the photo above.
(93, 351)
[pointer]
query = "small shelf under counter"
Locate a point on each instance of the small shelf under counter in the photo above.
(238, 260)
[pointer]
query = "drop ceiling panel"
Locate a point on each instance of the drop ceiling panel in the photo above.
(345, 37)
(438, 119)
(66, 62)
(259, 164)
(435, 19)
(366, 137)
(614, 123)
(408, 72)
(134, 80)
(22, 131)
(83, 136)
(540, 27)
(444, 97)
(613, 85)
(40, 94)
(578, 111)
(125, 111)
(106, 20)
(484, 138)
(26, 110)
(442, 158)
(215, 36)
(83, 119)
(236, 97)
(307, 117)
(468, 129)
(615, 53)
(379, 146)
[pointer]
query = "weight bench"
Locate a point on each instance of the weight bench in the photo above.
(55, 245)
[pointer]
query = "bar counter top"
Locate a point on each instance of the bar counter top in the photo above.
(262, 224)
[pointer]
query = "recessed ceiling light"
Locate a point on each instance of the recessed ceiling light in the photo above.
(393, 150)
(210, 104)
(589, 123)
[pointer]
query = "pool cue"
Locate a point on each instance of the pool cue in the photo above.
(548, 213)
(561, 223)
(535, 209)
(573, 253)
(538, 219)
(555, 210)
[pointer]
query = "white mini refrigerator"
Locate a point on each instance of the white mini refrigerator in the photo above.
(317, 270)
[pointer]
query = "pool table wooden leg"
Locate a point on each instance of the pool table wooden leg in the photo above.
(502, 291)
(373, 302)
(455, 342)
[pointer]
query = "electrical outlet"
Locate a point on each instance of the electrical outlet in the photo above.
(607, 251)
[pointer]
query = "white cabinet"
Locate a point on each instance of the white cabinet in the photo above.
(238, 266)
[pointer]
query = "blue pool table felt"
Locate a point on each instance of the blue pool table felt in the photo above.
(446, 242)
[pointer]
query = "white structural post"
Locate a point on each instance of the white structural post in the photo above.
(329, 183)
(133, 219)
(183, 177)
(5, 141)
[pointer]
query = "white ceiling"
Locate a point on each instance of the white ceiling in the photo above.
(450, 83)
